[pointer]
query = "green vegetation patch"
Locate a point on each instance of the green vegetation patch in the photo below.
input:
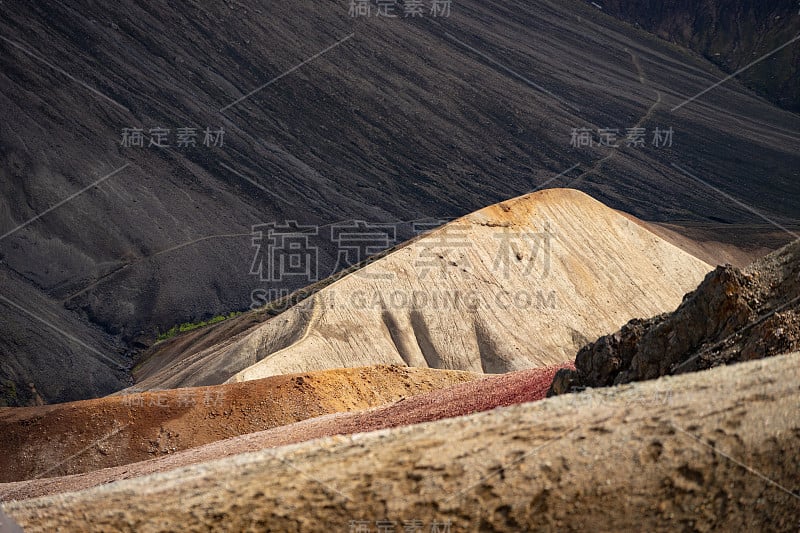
(189, 326)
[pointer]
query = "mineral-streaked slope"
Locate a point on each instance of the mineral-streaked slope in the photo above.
(56, 440)
(519, 284)
(457, 400)
(678, 452)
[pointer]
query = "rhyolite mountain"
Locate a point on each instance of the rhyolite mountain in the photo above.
(403, 119)
(520, 284)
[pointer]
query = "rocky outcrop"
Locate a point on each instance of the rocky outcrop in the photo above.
(734, 315)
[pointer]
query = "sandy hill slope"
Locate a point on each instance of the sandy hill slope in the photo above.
(398, 119)
(519, 284)
(457, 400)
(674, 447)
(62, 439)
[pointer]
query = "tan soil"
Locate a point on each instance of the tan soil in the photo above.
(78, 437)
(610, 459)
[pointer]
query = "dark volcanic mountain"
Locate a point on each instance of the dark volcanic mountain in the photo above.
(732, 34)
(327, 117)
